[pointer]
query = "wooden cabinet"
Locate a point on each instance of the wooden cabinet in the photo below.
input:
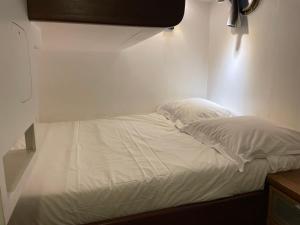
(284, 198)
(151, 13)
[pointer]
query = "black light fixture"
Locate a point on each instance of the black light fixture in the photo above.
(252, 5)
(243, 7)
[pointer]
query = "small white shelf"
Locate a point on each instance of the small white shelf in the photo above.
(15, 164)
(15, 170)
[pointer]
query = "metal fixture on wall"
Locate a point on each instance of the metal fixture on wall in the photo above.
(252, 5)
(240, 7)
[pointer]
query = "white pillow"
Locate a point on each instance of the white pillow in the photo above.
(243, 139)
(190, 110)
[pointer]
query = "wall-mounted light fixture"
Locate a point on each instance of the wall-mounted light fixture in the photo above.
(252, 5)
(240, 7)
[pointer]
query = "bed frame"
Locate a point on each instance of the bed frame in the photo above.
(245, 209)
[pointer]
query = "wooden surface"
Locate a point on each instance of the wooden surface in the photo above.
(287, 182)
(273, 218)
(246, 209)
(150, 13)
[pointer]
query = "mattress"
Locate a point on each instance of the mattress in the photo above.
(88, 171)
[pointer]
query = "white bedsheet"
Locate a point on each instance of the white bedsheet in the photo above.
(90, 171)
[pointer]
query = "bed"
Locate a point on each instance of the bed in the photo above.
(99, 170)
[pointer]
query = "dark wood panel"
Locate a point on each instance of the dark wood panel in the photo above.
(246, 209)
(150, 13)
(287, 182)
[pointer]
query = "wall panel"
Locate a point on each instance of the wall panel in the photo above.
(78, 84)
(256, 70)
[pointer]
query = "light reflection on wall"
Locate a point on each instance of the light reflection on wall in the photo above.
(259, 77)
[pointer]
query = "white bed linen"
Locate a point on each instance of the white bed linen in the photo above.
(90, 171)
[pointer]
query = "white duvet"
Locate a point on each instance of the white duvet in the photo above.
(91, 171)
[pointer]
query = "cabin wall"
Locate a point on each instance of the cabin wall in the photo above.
(85, 84)
(18, 69)
(258, 71)
(15, 84)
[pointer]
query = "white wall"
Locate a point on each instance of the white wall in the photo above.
(258, 72)
(83, 85)
(16, 59)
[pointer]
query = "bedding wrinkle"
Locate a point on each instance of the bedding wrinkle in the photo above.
(107, 146)
(73, 176)
(94, 189)
(89, 171)
(142, 153)
(133, 154)
(161, 169)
